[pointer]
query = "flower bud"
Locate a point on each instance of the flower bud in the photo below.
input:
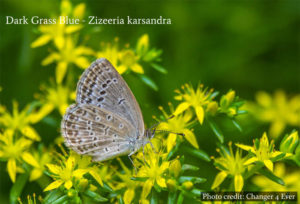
(175, 168)
(72, 193)
(83, 183)
(231, 112)
(93, 188)
(212, 107)
(188, 185)
(289, 142)
(230, 96)
(227, 99)
(143, 44)
(171, 184)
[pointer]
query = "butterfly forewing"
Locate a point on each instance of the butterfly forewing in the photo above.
(102, 85)
(106, 118)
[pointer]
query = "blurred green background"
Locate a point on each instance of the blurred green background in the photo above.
(246, 46)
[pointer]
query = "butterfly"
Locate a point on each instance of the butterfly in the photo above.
(106, 120)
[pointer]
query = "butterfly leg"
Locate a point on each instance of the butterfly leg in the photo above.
(144, 154)
(154, 150)
(129, 156)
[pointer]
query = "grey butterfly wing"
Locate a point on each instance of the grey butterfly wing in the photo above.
(94, 131)
(101, 85)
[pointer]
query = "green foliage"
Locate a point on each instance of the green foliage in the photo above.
(32, 152)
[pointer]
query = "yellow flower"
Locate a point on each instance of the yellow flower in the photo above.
(262, 151)
(199, 99)
(230, 164)
(278, 110)
(84, 162)
(64, 174)
(153, 168)
(291, 180)
(13, 150)
(58, 31)
(145, 53)
(127, 183)
(55, 96)
(129, 61)
(178, 124)
(71, 171)
(68, 54)
(110, 52)
(20, 121)
(42, 159)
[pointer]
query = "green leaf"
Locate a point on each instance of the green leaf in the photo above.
(253, 169)
(157, 187)
(237, 125)
(172, 197)
(193, 179)
(180, 198)
(216, 130)
(196, 192)
(52, 196)
(280, 156)
(271, 176)
(186, 167)
(197, 153)
(51, 121)
(121, 200)
(139, 178)
(95, 196)
(61, 200)
(106, 187)
(152, 54)
(214, 94)
(17, 187)
(154, 197)
(240, 112)
(149, 82)
(159, 68)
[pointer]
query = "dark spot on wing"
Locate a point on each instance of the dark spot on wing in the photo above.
(121, 101)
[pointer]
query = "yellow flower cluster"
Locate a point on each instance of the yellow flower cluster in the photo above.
(70, 172)
(230, 164)
(17, 138)
(159, 168)
(278, 110)
(261, 154)
(203, 103)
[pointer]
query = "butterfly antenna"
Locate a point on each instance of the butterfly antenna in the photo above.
(153, 127)
(156, 124)
(167, 131)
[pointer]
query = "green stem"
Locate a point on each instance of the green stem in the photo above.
(18, 186)
(258, 166)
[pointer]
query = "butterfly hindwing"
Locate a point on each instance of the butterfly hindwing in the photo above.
(94, 131)
(101, 85)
